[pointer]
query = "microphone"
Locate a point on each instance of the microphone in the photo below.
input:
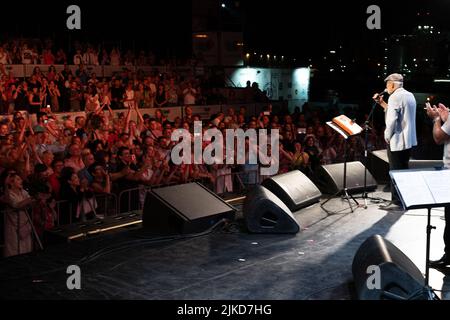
(382, 92)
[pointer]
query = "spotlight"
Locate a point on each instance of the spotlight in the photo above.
(223, 5)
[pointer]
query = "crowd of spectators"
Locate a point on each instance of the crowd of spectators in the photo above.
(82, 91)
(37, 51)
(102, 153)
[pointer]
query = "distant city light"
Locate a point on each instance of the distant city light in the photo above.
(247, 55)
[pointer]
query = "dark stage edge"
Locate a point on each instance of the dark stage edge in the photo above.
(230, 264)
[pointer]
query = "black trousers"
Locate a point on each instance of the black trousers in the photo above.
(398, 160)
(447, 231)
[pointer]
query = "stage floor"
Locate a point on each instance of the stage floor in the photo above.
(226, 264)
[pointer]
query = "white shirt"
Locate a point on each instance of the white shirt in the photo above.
(446, 128)
(27, 56)
(401, 121)
(189, 97)
(77, 59)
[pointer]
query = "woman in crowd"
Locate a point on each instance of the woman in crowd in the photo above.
(18, 227)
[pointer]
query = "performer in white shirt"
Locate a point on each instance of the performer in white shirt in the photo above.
(400, 118)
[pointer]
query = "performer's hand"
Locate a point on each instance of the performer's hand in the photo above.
(379, 99)
(443, 112)
(432, 112)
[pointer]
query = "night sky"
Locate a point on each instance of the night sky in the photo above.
(299, 28)
(310, 27)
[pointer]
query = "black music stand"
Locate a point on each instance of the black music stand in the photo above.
(344, 192)
(423, 189)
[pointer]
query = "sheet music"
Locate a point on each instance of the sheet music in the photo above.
(338, 129)
(413, 188)
(427, 187)
(439, 184)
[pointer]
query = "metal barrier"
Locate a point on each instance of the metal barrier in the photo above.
(238, 182)
(132, 199)
(103, 205)
(107, 204)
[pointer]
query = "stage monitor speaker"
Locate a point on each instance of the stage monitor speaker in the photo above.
(425, 164)
(331, 178)
(378, 165)
(398, 276)
(265, 213)
(294, 189)
(182, 209)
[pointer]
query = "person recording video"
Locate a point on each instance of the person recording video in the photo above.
(400, 118)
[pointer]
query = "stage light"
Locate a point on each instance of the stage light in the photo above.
(223, 5)
(247, 55)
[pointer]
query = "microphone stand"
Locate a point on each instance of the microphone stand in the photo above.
(365, 195)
